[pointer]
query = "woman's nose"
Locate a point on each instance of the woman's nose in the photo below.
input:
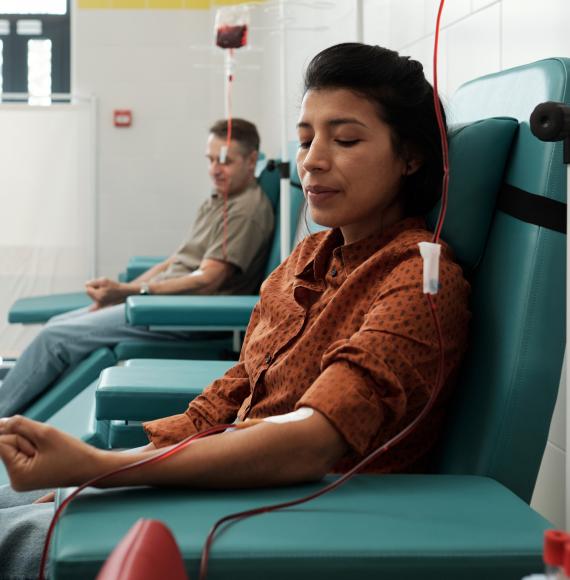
(317, 158)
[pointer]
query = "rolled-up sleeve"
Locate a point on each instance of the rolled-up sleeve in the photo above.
(379, 379)
(218, 404)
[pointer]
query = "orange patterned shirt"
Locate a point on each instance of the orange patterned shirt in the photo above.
(346, 330)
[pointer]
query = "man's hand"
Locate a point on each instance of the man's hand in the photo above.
(47, 498)
(38, 456)
(106, 292)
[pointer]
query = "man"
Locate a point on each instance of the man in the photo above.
(225, 254)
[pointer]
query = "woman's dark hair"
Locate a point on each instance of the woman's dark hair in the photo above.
(404, 100)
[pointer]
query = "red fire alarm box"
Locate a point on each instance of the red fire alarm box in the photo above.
(122, 118)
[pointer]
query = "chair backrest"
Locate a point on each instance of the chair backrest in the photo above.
(269, 180)
(507, 388)
(304, 224)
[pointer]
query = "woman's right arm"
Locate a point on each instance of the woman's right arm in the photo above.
(258, 454)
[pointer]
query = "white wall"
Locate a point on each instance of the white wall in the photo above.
(480, 37)
(161, 64)
(46, 238)
(337, 23)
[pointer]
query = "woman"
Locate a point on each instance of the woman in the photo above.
(342, 329)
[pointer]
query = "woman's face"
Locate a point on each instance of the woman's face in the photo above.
(348, 168)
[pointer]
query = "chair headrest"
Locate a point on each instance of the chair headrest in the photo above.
(267, 173)
(478, 154)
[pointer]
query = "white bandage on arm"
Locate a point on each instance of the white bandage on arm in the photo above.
(298, 415)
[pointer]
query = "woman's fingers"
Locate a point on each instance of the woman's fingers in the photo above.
(33, 431)
(14, 444)
(8, 449)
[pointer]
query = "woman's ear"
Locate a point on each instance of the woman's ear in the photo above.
(412, 165)
(412, 160)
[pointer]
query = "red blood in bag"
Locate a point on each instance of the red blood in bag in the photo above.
(231, 36)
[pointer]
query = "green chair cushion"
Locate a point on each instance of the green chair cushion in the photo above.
(154, 364)
(191, 311)
(141, 393)
(126, 435)
(209, 348)
(478, 153)
(39, 309)
(138, 265)
(508, 385)
(404, 527)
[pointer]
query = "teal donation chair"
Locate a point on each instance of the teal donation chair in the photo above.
(471, 518)
(67, 404)
(39, 309)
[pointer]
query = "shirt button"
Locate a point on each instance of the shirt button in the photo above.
(333, 272)
(267, 358)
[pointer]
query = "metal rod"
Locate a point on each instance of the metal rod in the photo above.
(284, 192)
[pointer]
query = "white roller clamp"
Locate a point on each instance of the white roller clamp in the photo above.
(430, 253)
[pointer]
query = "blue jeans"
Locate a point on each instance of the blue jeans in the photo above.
(64, 342)
(23, 528)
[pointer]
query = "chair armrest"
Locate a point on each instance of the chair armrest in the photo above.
(39, 309)
(201, 312)
(145, 392)
(138, 265)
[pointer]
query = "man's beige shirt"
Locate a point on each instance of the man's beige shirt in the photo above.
(250, 225)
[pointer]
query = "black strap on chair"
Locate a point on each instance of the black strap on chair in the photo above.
(532, 208)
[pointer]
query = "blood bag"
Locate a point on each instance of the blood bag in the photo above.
(231, 26)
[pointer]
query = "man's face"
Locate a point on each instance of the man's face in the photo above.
(236, 173)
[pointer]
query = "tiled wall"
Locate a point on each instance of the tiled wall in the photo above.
(480, 37)
(154, 4)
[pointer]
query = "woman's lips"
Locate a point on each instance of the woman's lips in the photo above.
(319, 195)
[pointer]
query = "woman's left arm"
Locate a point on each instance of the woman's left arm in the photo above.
(265, 454)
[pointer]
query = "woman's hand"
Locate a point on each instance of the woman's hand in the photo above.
(37, 456)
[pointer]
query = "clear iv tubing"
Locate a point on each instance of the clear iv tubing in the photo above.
(442, 132)
(147, 461)
(229, 83)
(440, 371)
(367, 460)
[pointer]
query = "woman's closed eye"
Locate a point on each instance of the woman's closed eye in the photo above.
(348, 142)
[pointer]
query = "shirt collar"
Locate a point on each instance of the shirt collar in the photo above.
(313, 267)
(251, 185)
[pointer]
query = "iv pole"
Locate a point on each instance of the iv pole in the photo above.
(284, 189)
(284, 186)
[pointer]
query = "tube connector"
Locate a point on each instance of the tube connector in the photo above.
(223, 153)
(430, 253)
